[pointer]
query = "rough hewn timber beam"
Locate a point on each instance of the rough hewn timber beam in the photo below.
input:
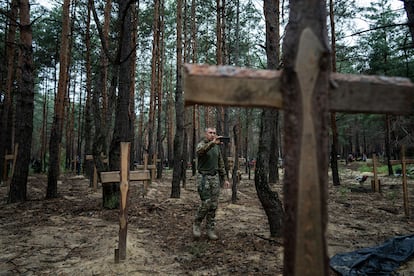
(235, 86)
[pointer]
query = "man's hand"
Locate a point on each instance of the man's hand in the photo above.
(217, 141)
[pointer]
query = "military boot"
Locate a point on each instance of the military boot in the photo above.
(211, 234)
(196, 230)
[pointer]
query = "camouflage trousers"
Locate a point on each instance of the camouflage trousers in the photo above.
(208, 188)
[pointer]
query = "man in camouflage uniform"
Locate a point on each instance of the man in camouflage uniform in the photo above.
(211, 174)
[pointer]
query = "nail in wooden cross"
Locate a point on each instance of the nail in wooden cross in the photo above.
(231, 86)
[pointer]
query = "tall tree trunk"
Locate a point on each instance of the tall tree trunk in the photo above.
(133, 70)
(43, 134)
(24, 107)
(309, 16)
(59, 111)
(195, 107)
(170, 125)
(88, 167)
(272, 13)
(160, 98)
(140, 138)
(235, 173)
(268, 130)
(102, 113)
(246, 140)
(154, 78)
(179, 110)
(6, 111)
(409, 9)
(122, 131)
(334, 145)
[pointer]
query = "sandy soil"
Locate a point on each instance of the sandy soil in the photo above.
(74, 235)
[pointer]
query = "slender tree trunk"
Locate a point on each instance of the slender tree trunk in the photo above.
(268, 130)
(160, 98)
(154, 78)
(409, 9)
(195, 107)
(43, 134)
(170, 143)
(24, 108)
(6, 111)
(133, 70)
(179, 110)
(102, 113)
(122, 131)
(334, 145)
(271, 10)
(59, 111)
(140, 138)
(387, 144)
(88, 166)
(235, 174)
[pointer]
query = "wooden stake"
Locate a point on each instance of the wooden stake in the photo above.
(404, 182)
(124, 187)
(95, 178)
(375, 183)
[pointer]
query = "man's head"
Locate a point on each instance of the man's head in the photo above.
(210, 133)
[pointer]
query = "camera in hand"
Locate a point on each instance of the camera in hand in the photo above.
(224, 139)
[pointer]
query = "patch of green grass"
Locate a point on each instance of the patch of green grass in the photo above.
(380, 169)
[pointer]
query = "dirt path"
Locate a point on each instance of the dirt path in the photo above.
(73, 235)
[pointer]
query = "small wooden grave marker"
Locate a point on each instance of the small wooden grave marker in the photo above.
(10, 158)
(404, 163)
(151, 167)
(124, 176)
(375, 183)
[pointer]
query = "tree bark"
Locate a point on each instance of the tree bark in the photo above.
(154, 78)
(179, 111)
(160, 73)
(409, 9)
(269, 121)
(59, 111)
(334, 145)
(388, 144)
(88, 164)
(24, 107)
(235, 173)
(6, 110)
(122, 131)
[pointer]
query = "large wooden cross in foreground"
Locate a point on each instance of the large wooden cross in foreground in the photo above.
(306, 160)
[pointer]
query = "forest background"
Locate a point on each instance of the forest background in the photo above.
(79, 77)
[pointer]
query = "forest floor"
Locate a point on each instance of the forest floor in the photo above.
(74, 235)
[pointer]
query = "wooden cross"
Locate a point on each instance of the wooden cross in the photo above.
(305, 253)
(123, 177)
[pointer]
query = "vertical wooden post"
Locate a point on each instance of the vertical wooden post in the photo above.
(16, 148)
(124, 187)
(95, 178)
(404, 180)
(5, 171)
(146, 168)
(375, 183)
(154, 171)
